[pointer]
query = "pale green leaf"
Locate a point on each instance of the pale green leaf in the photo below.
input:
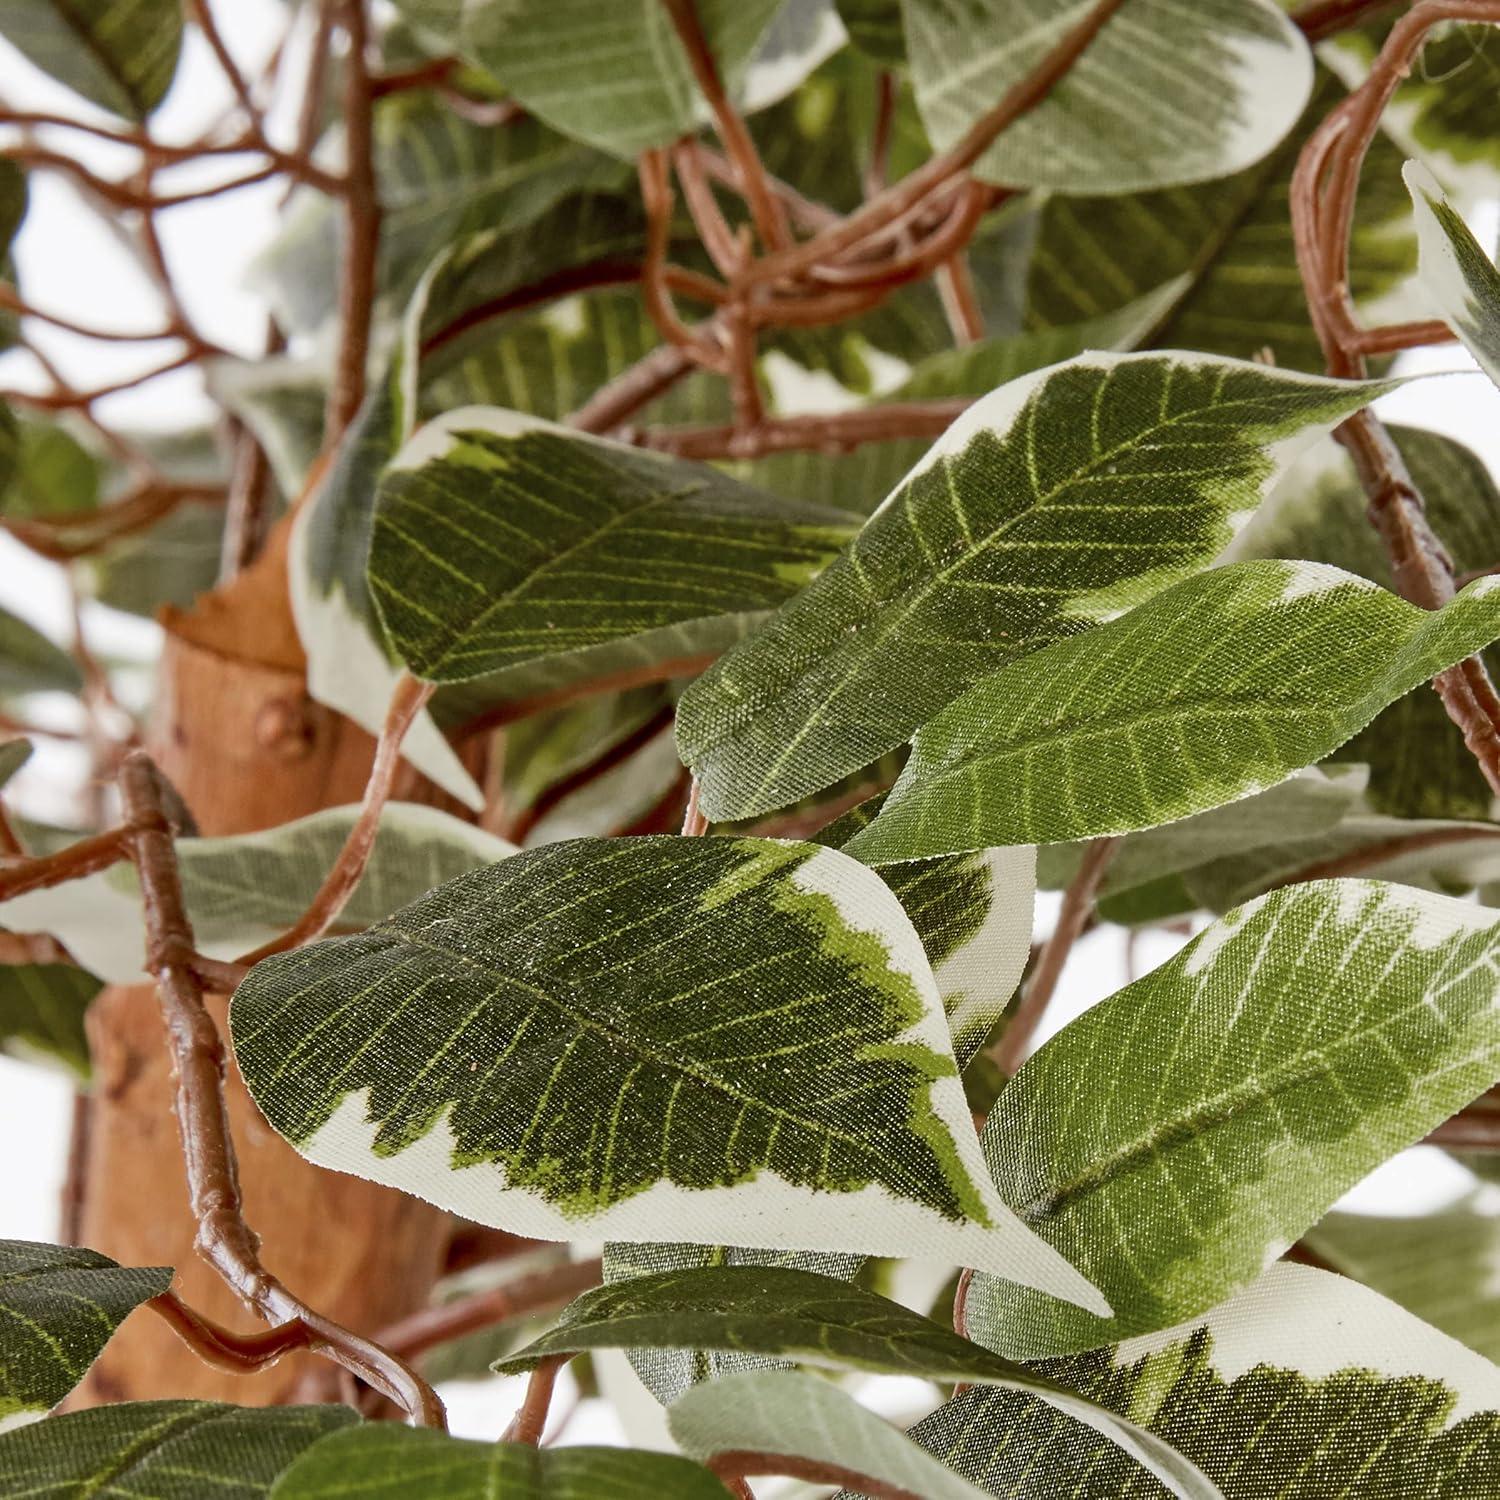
(13, 755)
(1050, 505)
(642, 1039)
(790, 1413)
(1164, 94)
(30, 663)
(120, 54)
(59, 1306)
(243, 889)
(381, 1461)
(41, 1013)
(1306, 1386)
(1459, 277)
(1219, 687)
(282, 401)
(503, 543)
(161, 1450)
(1253, 1078)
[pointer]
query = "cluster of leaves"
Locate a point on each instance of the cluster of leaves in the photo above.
(1127, 594)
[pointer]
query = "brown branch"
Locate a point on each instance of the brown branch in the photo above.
(86, 857)
(656, 196)
(69, 399)
(1077, 908)
(765, 207)
(832, 432)
(239, 1353)
(1393, 337)
(1325, 186)
(64, 538)
(634, 388)
(224, 1238)
(425, 75)
(360, 245)
(694, 824)
(1322, 19)
(955, 284)
(540, 1290)
(738, 1462)
(407, 701)
(1378, 854)
(531, 1420)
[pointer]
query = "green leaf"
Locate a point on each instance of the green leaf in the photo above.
(1306, 1386)
(281, 400)
(1162, 95)
(13, 755)
(1219, 687)
(779, 1311)
(1461, 280)
(243, 889)
(613, 75)
(41, 1013)
(642, 1039)
(381, 1461)
(1232, 241)
(504, 543)
(874, 26)
(1258, 1074)
(30, 663)
(55, 474)
(119, 54)
(1439, 1266)
(59, 1306)
(1055, 502)
(161, 1450)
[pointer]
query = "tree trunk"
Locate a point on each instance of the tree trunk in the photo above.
(235, 731)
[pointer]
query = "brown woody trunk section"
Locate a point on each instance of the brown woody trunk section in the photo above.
(237, 734)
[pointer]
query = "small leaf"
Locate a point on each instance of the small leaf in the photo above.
(1305, 1386)
(504, 543)
(642, 1039)
(30, 663)
(119, 54)
(58, 1308)
(13, 755)
(1253, 1078)
(381, 1461)
(1162, 94)
(786, 1413)
(41, 1013)
(161, 1450)
(1219, 687)
(1050, 505)
(874, 26)
(1460, 278)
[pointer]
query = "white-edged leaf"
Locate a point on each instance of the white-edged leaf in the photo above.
(59, 1306)
(1219, 687)
(1050, 505)
(643, 1039)
(1460, 278)
(1304, 1386)
(1250, 1080)
(242, 889)
(1166, 93)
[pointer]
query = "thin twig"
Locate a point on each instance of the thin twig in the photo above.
(239, 1353)
(224, 1238)
(531, 1420)
(1322, 19)
(694, 824)
(86, 857)
(823, 432)
(1077, 907)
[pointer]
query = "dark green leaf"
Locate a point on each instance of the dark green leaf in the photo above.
(41, 1012)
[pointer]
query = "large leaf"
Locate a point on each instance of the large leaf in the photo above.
(1219, 687)
(779, 1311)
(243, 889)
(41, 1013)
(610, 73)
(1163, 94)
(161, 1450)
(30, 663)
(1304, 1387)
(1439, 1265)
(813, 1421)
(1459, 277)
(381, 1461)
(1193, 1125)
(120, 54)
(642, 1039)
(59, 1306)
(1232, 241)
(503, 543)
(1050, 505)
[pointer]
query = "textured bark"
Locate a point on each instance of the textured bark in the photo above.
(247, 748)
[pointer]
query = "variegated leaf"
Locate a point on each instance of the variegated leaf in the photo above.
(1219, 687)
(1049, 506)
(643, 1039)
(1258, 1074)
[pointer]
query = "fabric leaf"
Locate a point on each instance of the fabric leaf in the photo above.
(59, 1306)
(1217, 688)
(30, 663)
(1049, 506)
(1250, 1080)
(41, 1013)
(642, 1039)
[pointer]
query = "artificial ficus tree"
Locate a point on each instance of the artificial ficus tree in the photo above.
(921, 450)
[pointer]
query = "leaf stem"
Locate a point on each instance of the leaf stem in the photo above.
(531, 1420)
